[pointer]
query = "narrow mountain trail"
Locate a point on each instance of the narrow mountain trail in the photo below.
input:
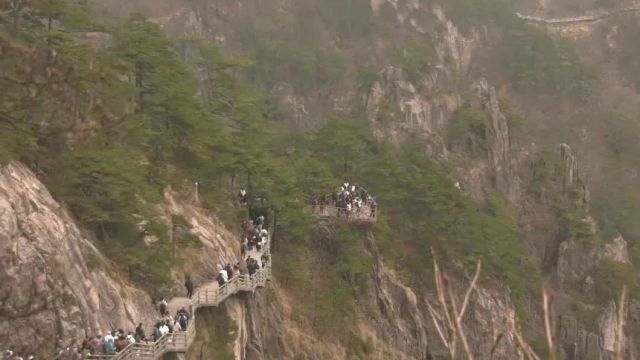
(578, 20)
(178, 303)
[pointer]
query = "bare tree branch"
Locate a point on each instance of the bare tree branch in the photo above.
(468, 294)
(451, 339)
(547, 323)
(459, 328)
(449, 317)
(436, 321)
(495, 345)
(621, 320)
(522, 344)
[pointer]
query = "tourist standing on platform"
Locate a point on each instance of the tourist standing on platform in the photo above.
(373, 205)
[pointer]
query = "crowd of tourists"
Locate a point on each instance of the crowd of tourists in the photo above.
(255, 236)
(114, 341)
(349, 199)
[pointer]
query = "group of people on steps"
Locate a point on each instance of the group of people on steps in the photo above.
(114, 341)
(255, 236)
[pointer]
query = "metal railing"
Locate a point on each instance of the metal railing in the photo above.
(362, 214)
(203, 297)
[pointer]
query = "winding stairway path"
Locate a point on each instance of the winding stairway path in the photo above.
(210, 294)
(585, 19)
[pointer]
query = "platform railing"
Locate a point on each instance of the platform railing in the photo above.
(363, 214)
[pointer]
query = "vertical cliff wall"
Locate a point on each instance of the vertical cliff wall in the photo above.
(53, 282)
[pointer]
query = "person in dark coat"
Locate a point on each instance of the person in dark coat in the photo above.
(96, 345)
(121, 343)
(183, 321)
(156, 332)
(373, 205)
(229, 271)
(188, 284)
(140, 333)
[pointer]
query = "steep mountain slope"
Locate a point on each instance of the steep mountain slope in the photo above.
(493, 158)
(55, 282)
(407, 98)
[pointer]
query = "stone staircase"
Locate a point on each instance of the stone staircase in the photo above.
(207, 295)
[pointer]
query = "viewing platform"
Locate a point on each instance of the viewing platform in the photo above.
(351, 203)
(365, 214)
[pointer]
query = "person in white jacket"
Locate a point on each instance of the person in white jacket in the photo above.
(164, 329)
(223, 274)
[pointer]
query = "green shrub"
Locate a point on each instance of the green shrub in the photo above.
(547, 175)
(189, 240)
(358, 348)
(621, 136)
(588, 316)
(537, 63)
(469, 129)
(629, 49)
(416, 56)
(515, 119)
(101, 189)
(473, 13)
(540, 347)
(609, 278)
(388, 112)
(577, 225)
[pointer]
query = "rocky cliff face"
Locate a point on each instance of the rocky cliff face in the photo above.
(60, 285)
(217, 245)
(576, 264)
(396, 325)
(405, 329)
(54, 282)
(574, 267)
(424, 105)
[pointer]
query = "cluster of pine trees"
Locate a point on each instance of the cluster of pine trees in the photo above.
(110, 115)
